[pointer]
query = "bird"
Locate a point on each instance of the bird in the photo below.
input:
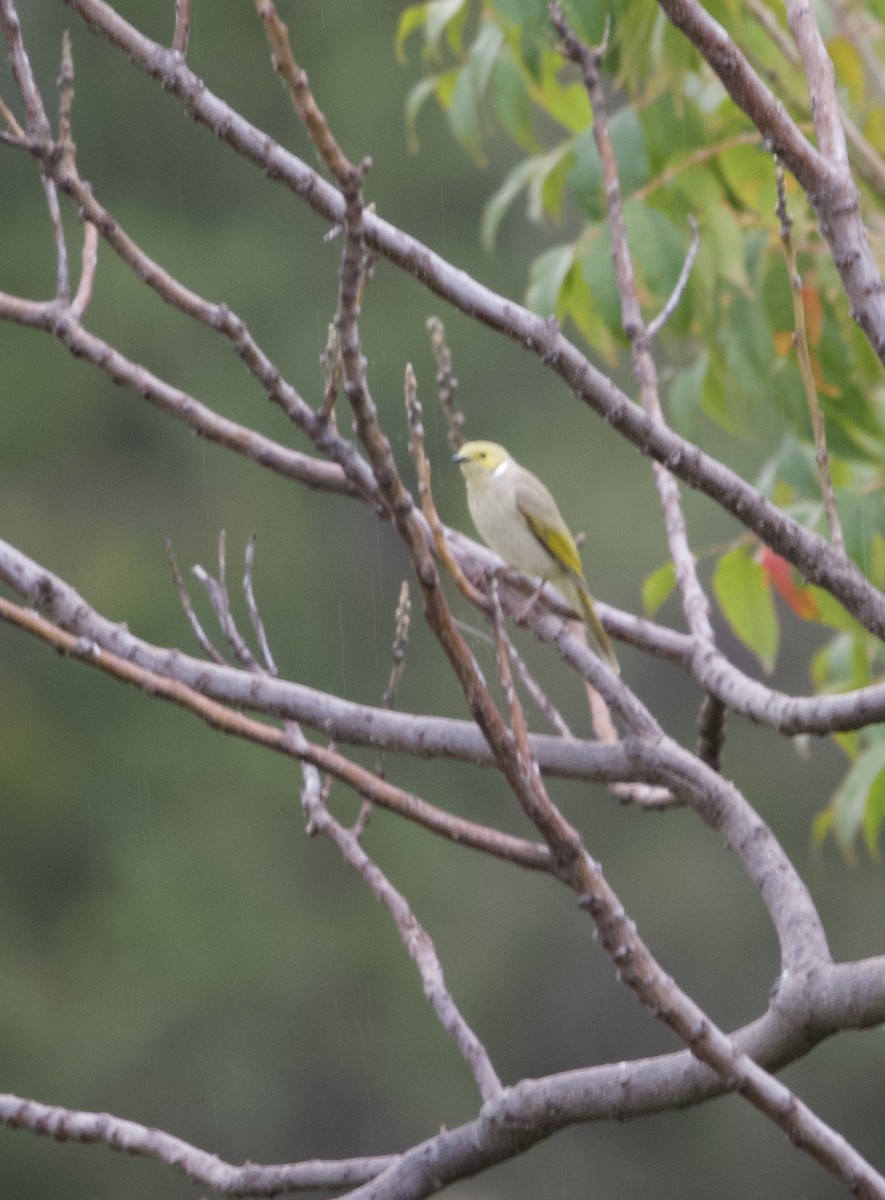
(518, 518)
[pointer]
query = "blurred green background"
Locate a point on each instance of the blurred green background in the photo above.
(174, 949)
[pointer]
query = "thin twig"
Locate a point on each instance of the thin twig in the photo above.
(330, 360)
(414, 937)
(655, 326)
(200, 634)
(414, 415)
(403, 620)
(299, 89)
(182, 27)
(806, 370)
(252, 1179)
(219, 598)
(254, 613)
(12, 124)
(88, 267)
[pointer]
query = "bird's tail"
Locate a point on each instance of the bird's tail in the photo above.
(598, 636)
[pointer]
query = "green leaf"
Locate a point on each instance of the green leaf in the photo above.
(575, 301)
(523, 12)
(596, 263)
(415, 101)
(744, 596)
(749, 348)
(863, 786)
(566, 103)
(439, 14)
(512, 102)
(658, 252)
(628, 140)
(543, 175)
(464, 116)
(547, 187)
(749, 173)
(586, 176)
(671, 135)
(411, 18)
(862, 515)
(487, 45)
(686, 394)
(496, 209)
(723, 243)
(546, 279)
(657, 586)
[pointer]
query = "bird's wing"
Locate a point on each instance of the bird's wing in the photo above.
(544, 520)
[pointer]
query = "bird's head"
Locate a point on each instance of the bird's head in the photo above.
(479, 460)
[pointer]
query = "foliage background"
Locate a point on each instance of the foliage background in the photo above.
(174, 948)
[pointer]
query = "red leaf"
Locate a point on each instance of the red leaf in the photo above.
(780, 575)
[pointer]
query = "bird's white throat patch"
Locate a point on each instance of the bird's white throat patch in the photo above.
(500, 469)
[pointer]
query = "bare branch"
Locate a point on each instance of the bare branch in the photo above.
(62, 321)
(845, 996)
(302, 98)
(413, 936)
(15, 130)
(252, 1179)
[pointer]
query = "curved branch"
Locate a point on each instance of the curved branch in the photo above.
(805, 1011)
(252, 1179)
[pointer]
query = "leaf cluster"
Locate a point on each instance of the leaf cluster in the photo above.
(685, 151)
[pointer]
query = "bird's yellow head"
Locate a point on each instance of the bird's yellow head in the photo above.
(480, 459)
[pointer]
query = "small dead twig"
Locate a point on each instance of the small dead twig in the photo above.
(200, 634)
(655, 326)
(414, 415)
(330, 360)
(400, 641)
(543, 702)
(446, 384)
(219, 598)
(254, 614)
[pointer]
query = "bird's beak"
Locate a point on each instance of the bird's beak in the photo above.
(459, 457)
